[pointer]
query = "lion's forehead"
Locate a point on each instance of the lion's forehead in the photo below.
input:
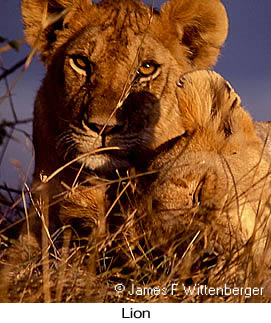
(124, 18)
(113, 32)
(117, 20)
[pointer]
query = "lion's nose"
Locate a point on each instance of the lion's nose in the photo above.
(103, 129)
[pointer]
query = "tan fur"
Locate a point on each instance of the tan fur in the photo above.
(111, 106)
(215, 179)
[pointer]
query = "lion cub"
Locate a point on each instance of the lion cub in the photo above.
(214, 180)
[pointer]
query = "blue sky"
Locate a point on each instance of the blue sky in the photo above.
(245, 61)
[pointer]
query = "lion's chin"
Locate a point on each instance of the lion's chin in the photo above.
(104, 162)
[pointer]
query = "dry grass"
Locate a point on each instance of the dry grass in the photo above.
(87, 268)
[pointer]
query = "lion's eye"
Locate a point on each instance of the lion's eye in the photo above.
(147, 69)
(80, 64)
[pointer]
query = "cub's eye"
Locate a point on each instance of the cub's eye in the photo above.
(80, 64)
(147, 69)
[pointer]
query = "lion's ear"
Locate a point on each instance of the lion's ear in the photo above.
(201, 27)
(226, 100)
(43, 18)
(234, 118)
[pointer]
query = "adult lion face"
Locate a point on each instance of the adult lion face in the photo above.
(112, 70)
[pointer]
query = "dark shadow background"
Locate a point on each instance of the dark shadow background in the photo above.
(245, 61)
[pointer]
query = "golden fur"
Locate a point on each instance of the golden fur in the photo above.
(112, 68)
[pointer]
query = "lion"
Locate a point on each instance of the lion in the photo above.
(211, 183)
(108, 97)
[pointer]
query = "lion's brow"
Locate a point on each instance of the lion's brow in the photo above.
(123, 18)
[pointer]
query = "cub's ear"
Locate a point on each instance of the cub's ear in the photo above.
(201, 26)
(239, 120)
(225, 97)
(43, 18)
(226, 107)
